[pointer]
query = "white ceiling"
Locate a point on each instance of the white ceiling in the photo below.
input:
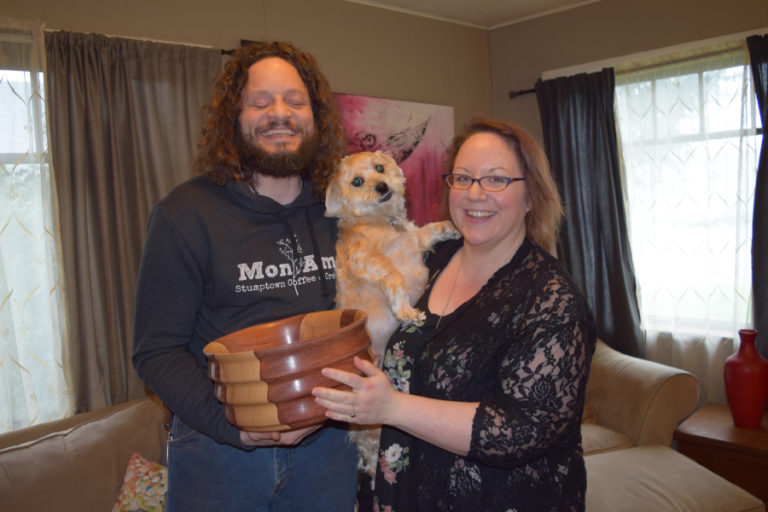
(488, 14)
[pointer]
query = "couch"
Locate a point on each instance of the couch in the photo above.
(634, 402)
(78, 464)
(633, 407)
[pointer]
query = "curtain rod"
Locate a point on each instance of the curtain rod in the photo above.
(515, 94)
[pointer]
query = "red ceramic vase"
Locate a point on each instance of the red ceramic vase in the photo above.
(746, 383)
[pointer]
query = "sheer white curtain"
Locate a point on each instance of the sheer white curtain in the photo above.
(687, 128)
(34, 386)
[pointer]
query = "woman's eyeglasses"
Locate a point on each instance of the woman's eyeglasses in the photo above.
(488, 183)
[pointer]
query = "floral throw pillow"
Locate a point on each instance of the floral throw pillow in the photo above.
(144, 486)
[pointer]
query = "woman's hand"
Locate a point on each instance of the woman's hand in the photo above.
(286, 438)
(372, 399)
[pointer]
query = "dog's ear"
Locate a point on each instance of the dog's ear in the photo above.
(332, 200)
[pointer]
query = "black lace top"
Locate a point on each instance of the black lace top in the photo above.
(521, 348)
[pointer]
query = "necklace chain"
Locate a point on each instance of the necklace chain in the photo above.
(453, 286)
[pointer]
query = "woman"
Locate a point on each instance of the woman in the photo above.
(482, 404)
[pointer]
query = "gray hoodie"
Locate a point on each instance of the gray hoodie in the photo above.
(218, 259)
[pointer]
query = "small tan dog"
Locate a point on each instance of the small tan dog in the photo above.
(379, 256)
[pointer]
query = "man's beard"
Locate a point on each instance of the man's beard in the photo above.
(279, 164)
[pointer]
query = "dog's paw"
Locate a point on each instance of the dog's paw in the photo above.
(436, 232)
(449, 231)
(411, 316)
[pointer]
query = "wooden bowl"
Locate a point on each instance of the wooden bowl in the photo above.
(264, 374)
(269, 417)
(245, 407)
(293, 345)
(285, 388)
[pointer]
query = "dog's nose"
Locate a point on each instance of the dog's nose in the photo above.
(382, 189)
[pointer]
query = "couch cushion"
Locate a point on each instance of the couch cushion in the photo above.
(81, 468)
(597, 439)
(658, 478)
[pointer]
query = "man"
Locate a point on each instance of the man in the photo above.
(243, 244)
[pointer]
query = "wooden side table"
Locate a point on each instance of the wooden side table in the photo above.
(740, 456)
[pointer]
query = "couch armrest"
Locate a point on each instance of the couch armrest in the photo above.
(82, 467)
(642, 399)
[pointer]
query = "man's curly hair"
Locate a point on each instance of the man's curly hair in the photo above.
(217, 156)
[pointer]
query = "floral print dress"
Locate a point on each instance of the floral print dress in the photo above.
(521, 348)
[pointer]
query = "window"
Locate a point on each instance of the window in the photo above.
(690, 141)
(32, 367)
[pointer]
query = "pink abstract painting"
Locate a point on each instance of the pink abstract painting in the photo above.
(415, 134)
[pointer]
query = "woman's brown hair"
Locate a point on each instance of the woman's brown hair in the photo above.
(542, 221)
(217, 156)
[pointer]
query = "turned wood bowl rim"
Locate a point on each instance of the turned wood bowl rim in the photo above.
(359, 318)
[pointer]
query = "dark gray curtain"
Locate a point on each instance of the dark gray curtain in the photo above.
(758, 56)
(581, 142)
(124, 117)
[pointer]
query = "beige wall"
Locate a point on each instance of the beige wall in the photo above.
(374, 52)
(362, 50)
(603, 30)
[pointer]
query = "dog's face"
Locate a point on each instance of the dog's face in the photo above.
(366, 185)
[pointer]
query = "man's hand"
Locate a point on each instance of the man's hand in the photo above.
(284, 438)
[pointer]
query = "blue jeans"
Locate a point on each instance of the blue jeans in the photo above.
(204, 475)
